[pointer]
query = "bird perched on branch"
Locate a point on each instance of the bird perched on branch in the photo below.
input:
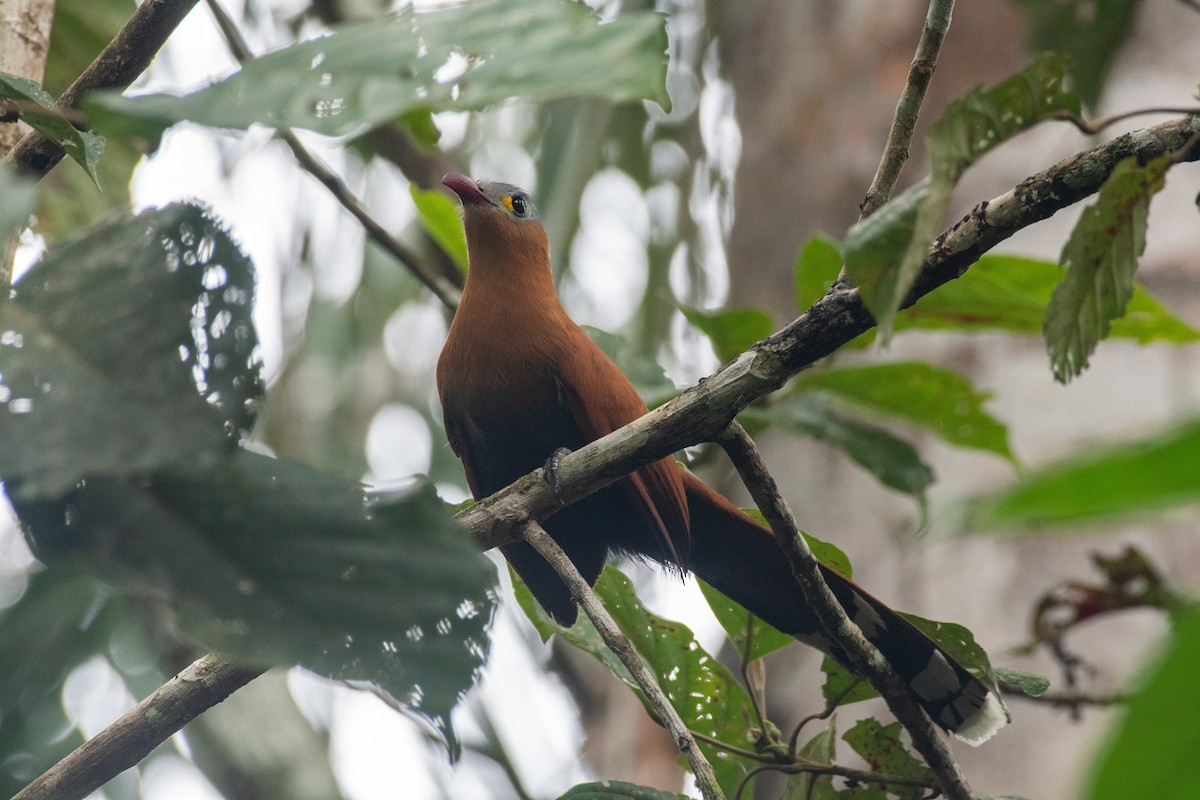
(519, 381)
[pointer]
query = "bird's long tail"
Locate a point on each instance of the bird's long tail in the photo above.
(741, 559)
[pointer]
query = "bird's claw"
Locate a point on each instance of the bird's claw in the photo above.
(550, 472)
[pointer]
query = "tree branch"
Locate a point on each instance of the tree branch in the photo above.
(908, 108)
(700, 413)
(863, 657)
(118, 65)
(443, 288)
(619, 644)
(199, 687)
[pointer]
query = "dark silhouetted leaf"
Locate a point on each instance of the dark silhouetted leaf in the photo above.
(274, 563)
(127, 349)
(940, 401)
(1100, 257)
(446, 59)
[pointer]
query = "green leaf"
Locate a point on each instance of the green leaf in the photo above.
(1151, 474)
(971, 127)
(16, 202)
(1089, 33)
(1151, 752)
(881, 748)
(732, 331)
(874, 249)
(439, 217)
(1100, 258)
(821, 749)
(1028, 683)
(817, 267)
(958, 642)
(456, 58)
(83, 147)
(646, 374)
(941, 401)
(891, 460)
(842, 686)
(617, 790)
(274, 563)
(738, 624)
(707, 696)
(1010, 293)
(127, 349)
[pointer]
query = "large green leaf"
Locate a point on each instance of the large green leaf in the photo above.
(881, 747)
(896, 245)
(707, 696)
(460, 57)
(1089, 32)
(39, 111)
(891, 460)
(274, 563)
(1152, 750)
(1010, 293)
(939, 400)
(1101, 257)
(732, 331)
(126, 349)
(1147, 475)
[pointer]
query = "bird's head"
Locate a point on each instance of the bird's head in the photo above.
(500, 219)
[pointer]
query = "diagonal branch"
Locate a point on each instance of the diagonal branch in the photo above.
(863, 657)
(199, 687)
(622, 648)
(703, 411)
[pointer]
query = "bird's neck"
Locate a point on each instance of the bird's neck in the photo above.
(511, 286)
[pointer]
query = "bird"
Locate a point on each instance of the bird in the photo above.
(520, 383)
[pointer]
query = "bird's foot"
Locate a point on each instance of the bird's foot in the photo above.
(550, 472)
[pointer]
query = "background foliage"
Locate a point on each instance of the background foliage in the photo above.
(132, 375)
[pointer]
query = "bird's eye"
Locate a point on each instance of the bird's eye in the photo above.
(519, 206)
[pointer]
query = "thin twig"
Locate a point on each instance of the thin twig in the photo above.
(441, 287)
(908, 108)
(203, 684)
(862, 656)
(1096, 126)
(620, 645)
(825, 713)
(118, 65)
